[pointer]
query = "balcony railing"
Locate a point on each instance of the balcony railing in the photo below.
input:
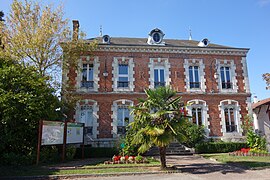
(226, 85)
(121, 130)
(122, 84)
(88, 130)
(87, 84)
(158, 84)
(194, 85)
(231, 128)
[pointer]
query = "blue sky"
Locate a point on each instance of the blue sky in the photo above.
(237, 23)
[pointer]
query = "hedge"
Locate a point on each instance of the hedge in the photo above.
(219, 147)
(96, 152)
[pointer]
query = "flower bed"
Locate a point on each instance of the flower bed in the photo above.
(249, 152)
(127, 160)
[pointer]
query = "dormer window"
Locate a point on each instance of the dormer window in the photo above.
(156, 37)
(106, 39)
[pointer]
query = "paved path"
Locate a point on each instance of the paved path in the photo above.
(197, 168)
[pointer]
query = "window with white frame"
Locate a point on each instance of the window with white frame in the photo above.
(87, 76)
(194, 77)
(225, 76)
(86, 117)
(197, 117)
(123, 76)
(122, 118)
(123, 72)
(159, 72)
(230, 118)
(159, 77)
(198, 109)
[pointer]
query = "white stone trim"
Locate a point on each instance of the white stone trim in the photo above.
(114, 114)
(249, 106)
(95, 115)
(233, 74)
(96, 65)
(161, 62)
(245, 75)
(172, 50)
(202, 104)
(234, 104)
(200, 64)
(131, 73)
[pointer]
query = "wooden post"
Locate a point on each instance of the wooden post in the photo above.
(39, 140)
(64, 141)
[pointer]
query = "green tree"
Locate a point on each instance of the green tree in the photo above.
(157, 121)
(25, 98)
(33, 34)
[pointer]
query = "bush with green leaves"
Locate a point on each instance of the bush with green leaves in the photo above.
(25, 98)
(96, 152)
(255, 141)
(191, 134)
(219, 147)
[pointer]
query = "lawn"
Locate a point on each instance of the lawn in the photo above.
(87, 169)
(245, 161)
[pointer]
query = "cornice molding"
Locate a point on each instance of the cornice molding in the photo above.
(174, 50)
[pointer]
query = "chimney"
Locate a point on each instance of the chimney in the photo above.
(255, 99)
(76, 26)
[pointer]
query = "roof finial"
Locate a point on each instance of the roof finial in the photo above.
(100, 30)
(190, 35)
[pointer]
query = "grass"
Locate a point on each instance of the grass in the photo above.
(87, 169)
(252, 162)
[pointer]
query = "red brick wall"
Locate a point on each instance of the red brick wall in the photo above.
(141, 82)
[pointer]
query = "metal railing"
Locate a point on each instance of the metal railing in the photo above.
(121, 129)
(231, 128)
(194, 85)
(122, 83)
(226, 85)
(158, 84)
(87, 84)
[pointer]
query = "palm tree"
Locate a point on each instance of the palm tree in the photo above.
(157, 120)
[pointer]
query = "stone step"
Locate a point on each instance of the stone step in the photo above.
(172, 149)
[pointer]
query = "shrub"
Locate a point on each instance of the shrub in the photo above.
(219, 147)
(49, 154)
(193, 134)
(16, 159)
(255, 141)
(96, 152)
(70, 152)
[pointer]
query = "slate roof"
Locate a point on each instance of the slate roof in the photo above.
(124, 41)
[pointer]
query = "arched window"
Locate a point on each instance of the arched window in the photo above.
(197, 109)
(230, 117)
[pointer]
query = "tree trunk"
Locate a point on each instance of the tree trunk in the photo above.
(162, 154)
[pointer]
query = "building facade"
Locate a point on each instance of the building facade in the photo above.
(211, 78)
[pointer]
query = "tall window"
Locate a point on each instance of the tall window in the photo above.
(122, 119)
(159, 77)
(194, 81)
(87, 76)
(86, 117)
(230, 120)
(225, 74)
(122, 75)
(197, 116)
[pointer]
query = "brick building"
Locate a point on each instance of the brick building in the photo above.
(214, 78)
